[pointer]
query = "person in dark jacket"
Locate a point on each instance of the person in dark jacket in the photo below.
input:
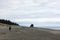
(9, 27)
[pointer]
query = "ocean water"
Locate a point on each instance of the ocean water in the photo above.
(55, 26)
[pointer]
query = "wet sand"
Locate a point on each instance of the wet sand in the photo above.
(25, 33)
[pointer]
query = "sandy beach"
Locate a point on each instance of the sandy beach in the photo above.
(27, 33)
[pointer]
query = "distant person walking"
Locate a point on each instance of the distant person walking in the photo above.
(9, 27)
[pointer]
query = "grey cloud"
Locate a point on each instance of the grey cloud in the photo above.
(17, 9)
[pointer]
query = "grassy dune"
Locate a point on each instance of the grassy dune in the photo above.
(26, 33)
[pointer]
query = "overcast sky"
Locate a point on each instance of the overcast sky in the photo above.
(38, 12)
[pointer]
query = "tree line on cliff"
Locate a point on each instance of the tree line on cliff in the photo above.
(7, 22)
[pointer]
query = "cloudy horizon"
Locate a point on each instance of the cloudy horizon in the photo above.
(38, 12)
